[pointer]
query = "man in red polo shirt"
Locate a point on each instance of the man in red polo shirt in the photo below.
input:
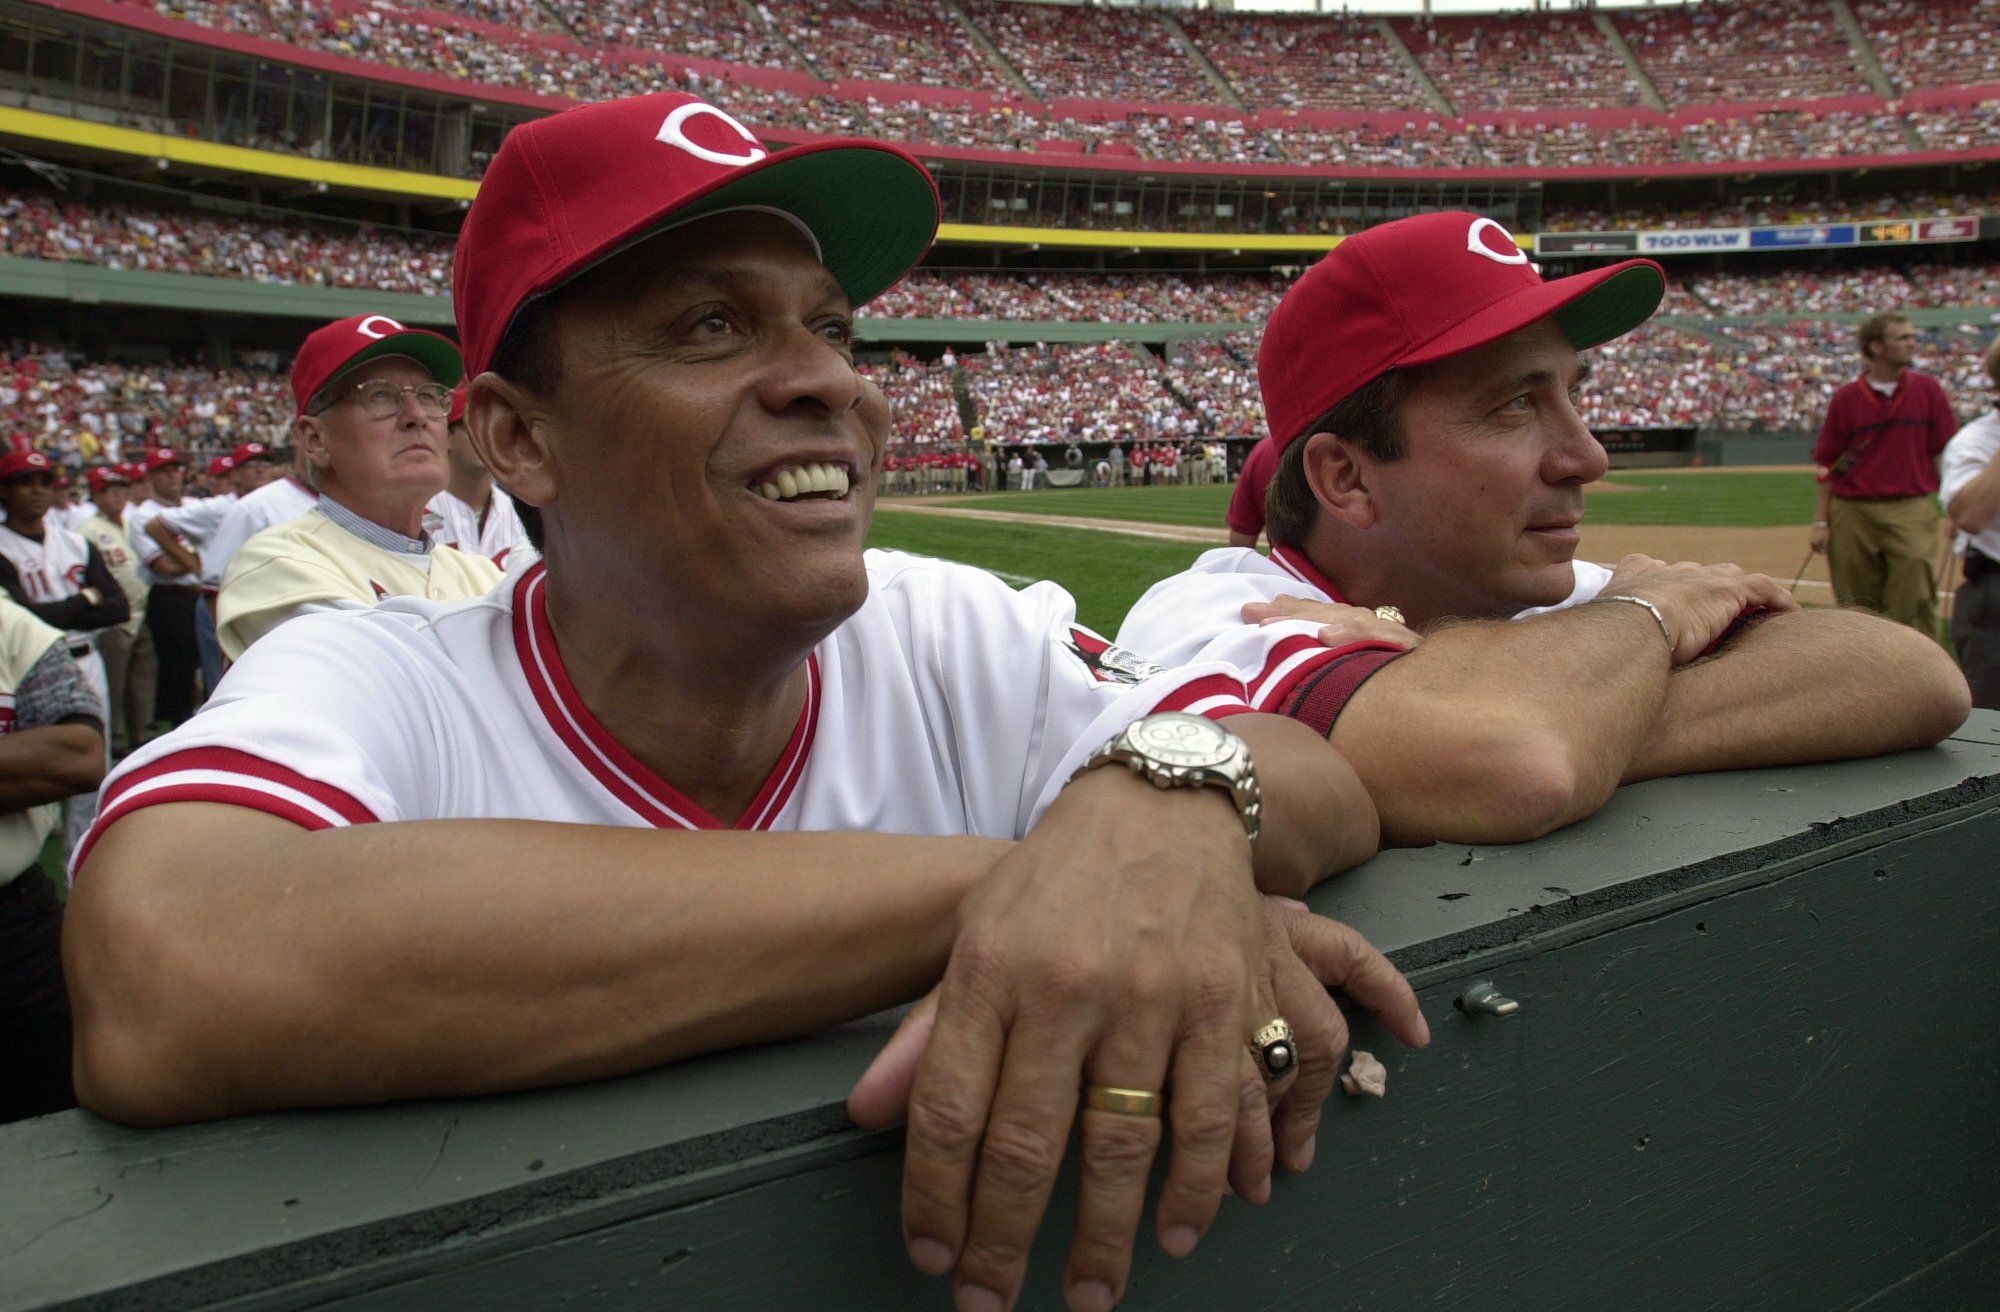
(1878, 479)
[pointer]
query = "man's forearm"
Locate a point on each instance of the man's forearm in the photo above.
(221, 960)
(1318, 819)
(1501, 732)
(1978, 502)
(49, 763)
(172, 549)
(1817, 685)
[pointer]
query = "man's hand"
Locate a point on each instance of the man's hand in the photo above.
(1121, 943)
(1820, 536)
(1308, 955)
(1700, 602)
(1339, 624)
(1305, 956)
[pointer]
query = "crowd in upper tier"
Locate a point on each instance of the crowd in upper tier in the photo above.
(1242, 76)
(298, 250)
(1722, 51)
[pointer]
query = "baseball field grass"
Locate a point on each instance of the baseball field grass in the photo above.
(1720, 498)
(1107, 571)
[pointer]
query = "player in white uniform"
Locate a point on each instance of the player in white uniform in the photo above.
(277, 502)
(1422, 386)
(127, 649)
(173, 579)
(1969, 487)
(62, 580)
(472, 514)
(707, 648)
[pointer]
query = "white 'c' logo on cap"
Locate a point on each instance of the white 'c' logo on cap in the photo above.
(1474, 243)
(369, 327)
(674, 133)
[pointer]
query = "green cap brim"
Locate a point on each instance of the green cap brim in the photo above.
(440, 359)
(1612, 308)
(873, 211)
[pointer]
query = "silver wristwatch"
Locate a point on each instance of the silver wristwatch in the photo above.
(1177, 750)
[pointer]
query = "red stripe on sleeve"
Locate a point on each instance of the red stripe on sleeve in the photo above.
(253, 799)
(227, 760)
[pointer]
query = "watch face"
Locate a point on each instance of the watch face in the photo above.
(1179, 739)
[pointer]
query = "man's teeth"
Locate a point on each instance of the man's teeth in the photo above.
(802, 480)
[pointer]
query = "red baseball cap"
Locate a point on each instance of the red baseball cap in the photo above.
(344, 343)
(249, 451)
(16, 463)
(457, 404)
(160, 457)
(134, 470)
(566, 192)
(103, 476)
(1423, 289)
(220, 466)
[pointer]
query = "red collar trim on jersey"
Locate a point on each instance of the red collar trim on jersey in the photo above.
(1295, 563)
(652, 798)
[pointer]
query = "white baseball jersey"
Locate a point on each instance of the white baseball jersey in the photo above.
(948, 704)
(1198, 615)
(277, 502)
(70, 514)
(109, 539)
(147, 550)
(51, 569)
(459, 526)
(1965, 458)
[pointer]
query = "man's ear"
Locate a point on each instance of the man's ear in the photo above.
(505, 425)
(309, 439)
(1341, 481)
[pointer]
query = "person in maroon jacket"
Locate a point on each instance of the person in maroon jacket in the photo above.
(1878, 479)
(1245, 515)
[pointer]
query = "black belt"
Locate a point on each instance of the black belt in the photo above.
(1978, 565)
(80, 649)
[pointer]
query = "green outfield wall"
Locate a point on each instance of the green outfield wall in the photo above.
(1752, 1068)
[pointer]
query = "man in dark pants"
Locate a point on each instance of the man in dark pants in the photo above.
(51, 747)
(175, 579)
(1877, 456)
(1971, 493)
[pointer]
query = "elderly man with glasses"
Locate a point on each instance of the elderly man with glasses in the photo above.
(372, 399)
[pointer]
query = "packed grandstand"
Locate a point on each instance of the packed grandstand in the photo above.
(1130, 190)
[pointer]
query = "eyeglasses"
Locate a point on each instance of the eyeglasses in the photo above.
(379, 400)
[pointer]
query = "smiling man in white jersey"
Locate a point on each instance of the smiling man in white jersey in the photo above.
(1422, 385)
(382, 812)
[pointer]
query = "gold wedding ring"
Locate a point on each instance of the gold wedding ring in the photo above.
(1389, 613)
(1121, 1102)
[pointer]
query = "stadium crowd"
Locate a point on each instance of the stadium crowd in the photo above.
(1489, 64)
(1771, 50)
(81, 411)
(1929, 43)
(39, 226)
(1106, 298)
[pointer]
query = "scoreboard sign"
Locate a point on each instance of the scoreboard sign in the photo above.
(1797, 236)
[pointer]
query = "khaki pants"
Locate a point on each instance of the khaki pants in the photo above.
(1883, 555)
(129, 669)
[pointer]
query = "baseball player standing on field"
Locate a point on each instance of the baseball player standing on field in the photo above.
(1970, 485)
(62, 580)
(472, 514)
(372, 397)
(658, 315)
(1878, 479)
(173, 582)
(127, 649)
(1422, 386)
